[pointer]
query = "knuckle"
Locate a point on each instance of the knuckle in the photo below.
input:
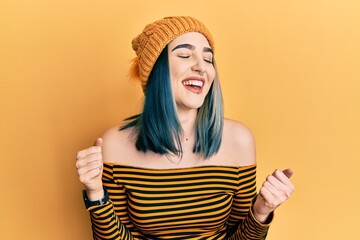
(82, 179)
(282, 199)
(290, 191)
(79, 164)
(287, 194)
(79, 156)
(80, 171)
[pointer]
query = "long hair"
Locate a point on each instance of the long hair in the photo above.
(158, 128)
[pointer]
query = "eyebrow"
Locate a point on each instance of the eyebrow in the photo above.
(191, 47)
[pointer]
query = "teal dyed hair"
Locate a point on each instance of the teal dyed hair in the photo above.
(158, 128)
(210, 121)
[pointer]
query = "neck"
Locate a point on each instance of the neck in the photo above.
(187, 121)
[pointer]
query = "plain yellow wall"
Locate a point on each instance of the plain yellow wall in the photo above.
(289, 70)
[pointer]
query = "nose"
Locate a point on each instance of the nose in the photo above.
(199, 65)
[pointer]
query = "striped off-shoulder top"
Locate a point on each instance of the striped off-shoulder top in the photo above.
(206, 202)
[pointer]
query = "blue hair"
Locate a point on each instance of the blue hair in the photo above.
(158, 128)
(210, 121)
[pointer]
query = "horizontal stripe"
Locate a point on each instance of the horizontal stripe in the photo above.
(204, 202)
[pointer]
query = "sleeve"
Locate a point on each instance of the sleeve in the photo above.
(111, 220)
(243, 225)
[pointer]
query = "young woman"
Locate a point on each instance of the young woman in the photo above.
(178, 170)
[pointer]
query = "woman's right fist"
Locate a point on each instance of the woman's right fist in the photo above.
(89, 164)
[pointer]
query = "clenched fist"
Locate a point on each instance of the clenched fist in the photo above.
(275, 190)
(89, 164)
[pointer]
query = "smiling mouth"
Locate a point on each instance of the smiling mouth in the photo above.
(195, 86)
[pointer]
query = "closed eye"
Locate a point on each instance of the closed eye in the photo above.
(205, 59)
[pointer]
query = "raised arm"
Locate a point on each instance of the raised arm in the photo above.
(274, 191)
(242, 222)
(252, 214)
(107, 223)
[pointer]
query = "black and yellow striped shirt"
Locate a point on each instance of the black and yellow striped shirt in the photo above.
(206, 202)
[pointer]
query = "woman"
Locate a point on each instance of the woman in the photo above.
(178, 170)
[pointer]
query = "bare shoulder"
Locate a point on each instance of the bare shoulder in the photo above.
(117, 145)
(237, 132)
(239, 142)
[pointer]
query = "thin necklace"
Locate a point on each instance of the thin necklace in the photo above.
(191, 134)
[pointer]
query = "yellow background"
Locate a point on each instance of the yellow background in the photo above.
(289, 70)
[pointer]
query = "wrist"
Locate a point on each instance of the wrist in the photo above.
(95, 195)
(260, 214)
(262, 218)
(91, 203)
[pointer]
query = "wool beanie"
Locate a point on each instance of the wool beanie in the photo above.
(149, 44)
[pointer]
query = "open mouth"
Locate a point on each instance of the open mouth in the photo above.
(195, 86)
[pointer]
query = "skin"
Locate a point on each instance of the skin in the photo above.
(190, 56)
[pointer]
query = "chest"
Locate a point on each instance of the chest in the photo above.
(176, 199)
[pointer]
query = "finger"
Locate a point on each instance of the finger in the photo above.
(272, 189)
(88, 159)
(98, 142)
(282, 177)
(275, 196)
(273, 180)
(284, 188)
(288, 172)
(86, 178)
(87, 151)
(279, 190)
(89, 167)
(267, 197)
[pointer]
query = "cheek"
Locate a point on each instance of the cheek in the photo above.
(175, 71)
(212, 74)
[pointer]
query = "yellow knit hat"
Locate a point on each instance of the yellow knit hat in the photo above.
(149, 44)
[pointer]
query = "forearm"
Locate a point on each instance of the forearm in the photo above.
(251, 228)
(106, 224)
(262, 218)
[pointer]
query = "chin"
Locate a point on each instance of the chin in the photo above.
(191, 102)
(195, 105)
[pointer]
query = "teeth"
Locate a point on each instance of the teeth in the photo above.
(194, 83)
